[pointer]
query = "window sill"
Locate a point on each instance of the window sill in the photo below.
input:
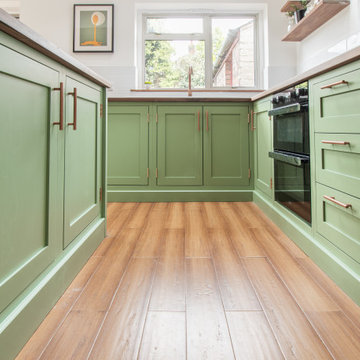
(198, 90)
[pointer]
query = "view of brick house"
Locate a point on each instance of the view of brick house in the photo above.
(235, 64)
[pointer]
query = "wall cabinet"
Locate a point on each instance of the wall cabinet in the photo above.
(263, 144)
(178, 147)
(52, 172)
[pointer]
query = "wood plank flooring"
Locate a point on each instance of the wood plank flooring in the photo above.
(197, 281)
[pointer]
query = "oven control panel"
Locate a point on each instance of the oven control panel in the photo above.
(297, 94)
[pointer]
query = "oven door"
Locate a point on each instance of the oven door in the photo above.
(291, 128)
(292, 182)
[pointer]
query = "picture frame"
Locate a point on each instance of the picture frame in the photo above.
(93, 28)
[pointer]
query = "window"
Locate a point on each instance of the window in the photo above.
(220, 49)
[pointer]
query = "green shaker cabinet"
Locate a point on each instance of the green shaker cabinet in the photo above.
(226, 145)
(179, 145)
(30, 233)
(82, 158)
(263, 140)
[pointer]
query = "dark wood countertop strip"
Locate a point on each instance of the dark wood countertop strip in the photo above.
(346, 58)
(23, 33)
(176, 99)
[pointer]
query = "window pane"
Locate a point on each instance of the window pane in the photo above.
(174, 26)
(233, 52)
(167, 63)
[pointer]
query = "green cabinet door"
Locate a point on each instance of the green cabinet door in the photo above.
(82, 158)
(128, 139)
(226, 145)
(179, 139)
(30, 206)
(263, 144)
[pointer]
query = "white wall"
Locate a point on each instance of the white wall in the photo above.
(339, 34)
(54, 20)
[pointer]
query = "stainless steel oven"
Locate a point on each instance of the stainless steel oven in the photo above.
(291, 151)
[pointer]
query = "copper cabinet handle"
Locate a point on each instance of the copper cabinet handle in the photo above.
(334, 142)
(61, 120)
(207, 120)
(252, 120)
(198, 120)
(74, 94)
(341, 82)
(337, 202)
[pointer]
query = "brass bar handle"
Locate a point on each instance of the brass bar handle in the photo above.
(341, 82)
(337, 202)
(74, 123)
(252, 121)
(207, 120)
(334, 142)
(61, 120)
(198, 120)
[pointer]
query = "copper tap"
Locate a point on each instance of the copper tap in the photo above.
(190, 73)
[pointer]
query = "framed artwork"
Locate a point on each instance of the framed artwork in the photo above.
(93, 28)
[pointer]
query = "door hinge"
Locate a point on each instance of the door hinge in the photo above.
(249, 174)
(157, 173)
(100, 194)
(147, 172)
(101, 110)
(271, 183)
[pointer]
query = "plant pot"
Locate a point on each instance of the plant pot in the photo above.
(299, 14)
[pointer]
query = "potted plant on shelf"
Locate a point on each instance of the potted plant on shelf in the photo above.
(299, 12)
(291, 20)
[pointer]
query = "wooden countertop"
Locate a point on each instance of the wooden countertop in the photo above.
(23, 33)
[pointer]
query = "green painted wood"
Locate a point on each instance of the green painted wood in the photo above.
(128, 147)
(82, 159)
(226, 145)
(334, 262)
(30, 207)
(337, 109)
(337, 165)
(179, 196)
(39, 298)
(263, 143)
(339, 225)
(179, 146)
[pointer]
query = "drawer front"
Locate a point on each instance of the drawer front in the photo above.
(263, 105)
(338, 161)
(336, 103)
(338, 224)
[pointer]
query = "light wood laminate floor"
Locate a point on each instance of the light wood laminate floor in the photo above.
(198, 281)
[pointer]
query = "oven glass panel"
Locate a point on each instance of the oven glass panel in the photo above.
(291, 132)
(292, 188)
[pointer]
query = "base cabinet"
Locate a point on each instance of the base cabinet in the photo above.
(176, 148)
(52, 172)
(263, 144)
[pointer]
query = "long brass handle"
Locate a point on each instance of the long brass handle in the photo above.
(74, 123)
(198, 120)
(207, 120)
(252, 121)
(334, 142)
(61, 120)
(337, 202)
(329, 86)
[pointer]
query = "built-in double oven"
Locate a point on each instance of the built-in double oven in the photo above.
(291, 152)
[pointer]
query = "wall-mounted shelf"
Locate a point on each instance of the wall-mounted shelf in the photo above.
(320, 14)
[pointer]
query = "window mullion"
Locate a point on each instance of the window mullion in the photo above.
(174, 37)
(208, 52)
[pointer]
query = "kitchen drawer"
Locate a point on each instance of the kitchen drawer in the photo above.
(338, 224)
(338, 164)
(336, 103)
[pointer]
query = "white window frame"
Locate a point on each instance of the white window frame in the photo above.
(206, 36)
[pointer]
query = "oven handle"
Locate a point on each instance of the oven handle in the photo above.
(295, 160)
(288, 109)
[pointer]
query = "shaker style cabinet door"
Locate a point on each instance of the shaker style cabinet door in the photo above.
(263, 144)
(82, 158)
(179, 150)
(30, 206)
(226, 145)
(128, 151)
